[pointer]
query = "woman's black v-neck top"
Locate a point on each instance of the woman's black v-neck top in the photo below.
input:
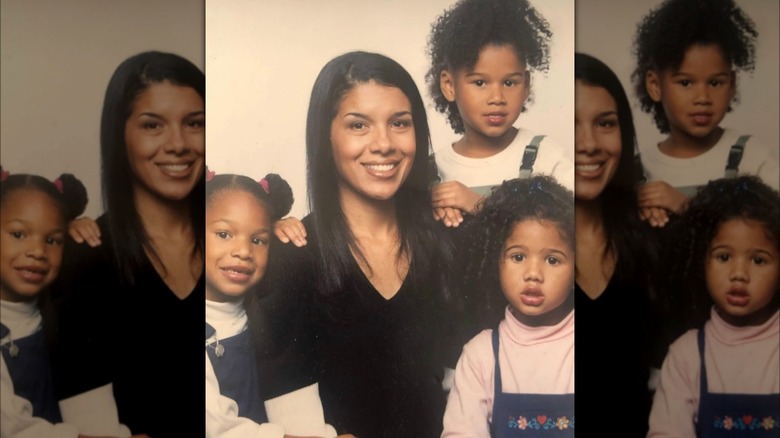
(611, 361)
(141, 338)
(378, 361)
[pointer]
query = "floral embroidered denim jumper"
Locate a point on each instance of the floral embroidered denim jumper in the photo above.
(28, 364)
(735, 415)
(234, 364)
(529, 415)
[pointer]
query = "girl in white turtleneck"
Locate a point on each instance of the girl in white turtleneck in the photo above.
(240, 214)
(33, 223)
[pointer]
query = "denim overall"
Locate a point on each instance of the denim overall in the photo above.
(30, 372)
(529, 415)
(234, 364)
(735, 415)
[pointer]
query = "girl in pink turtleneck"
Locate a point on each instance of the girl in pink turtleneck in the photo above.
(520, 375)
(729, 269)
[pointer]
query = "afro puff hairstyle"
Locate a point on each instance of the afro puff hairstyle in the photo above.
(722, 200)
(539, 198)
(666, 33)
(460, 33)
(272, 191)
(67, 191)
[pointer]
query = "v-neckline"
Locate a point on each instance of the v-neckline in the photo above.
(374, 290)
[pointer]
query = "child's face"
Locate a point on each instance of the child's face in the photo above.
(238, 231)
(696, 96)
(742, 269)
(33, 231)
(536, 269)
(597, 140)
(490, 95)
(373, 141)
(165, 137)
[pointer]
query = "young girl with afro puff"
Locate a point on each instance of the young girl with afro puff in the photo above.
(482, 55)
(33, 224)
(722, 376)
(240, 213)
(688, 53)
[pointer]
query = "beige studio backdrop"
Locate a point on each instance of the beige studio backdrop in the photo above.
(262, 58)
(606, 28)
(56, 58)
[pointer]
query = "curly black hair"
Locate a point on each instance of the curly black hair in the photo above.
(745, 197)
(664, 35)
(459, 34)
(539, 198)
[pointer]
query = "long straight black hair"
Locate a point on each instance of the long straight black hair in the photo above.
(625, 232)
(413, 203)
(131, 78)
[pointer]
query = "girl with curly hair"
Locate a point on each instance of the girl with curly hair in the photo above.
(721, 376)
(520, 374)
(688, 53)
(482, 55)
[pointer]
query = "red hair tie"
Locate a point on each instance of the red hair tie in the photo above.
(263, 182)
(3, 174)
(210, 174)
(58, 184)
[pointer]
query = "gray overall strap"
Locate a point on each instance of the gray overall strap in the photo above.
(529, 156)
(735, 156)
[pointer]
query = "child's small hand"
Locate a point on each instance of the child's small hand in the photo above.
(655, 216)
(454, 194)
(290, 229)
(451, 217)
(85, 229)
(661, 194)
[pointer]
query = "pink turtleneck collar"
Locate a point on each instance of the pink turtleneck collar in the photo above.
(523, 334)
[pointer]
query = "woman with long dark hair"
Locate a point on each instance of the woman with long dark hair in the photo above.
(615, 259)
(131, 307)
(360, 308)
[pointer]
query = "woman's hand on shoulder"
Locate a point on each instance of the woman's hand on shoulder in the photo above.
(290, 229)
(85, 229)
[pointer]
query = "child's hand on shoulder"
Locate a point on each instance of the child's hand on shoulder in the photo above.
(451, 217)
(454, 194)
(661, 194)
(655, 216)
(85, 229)
(290, 229)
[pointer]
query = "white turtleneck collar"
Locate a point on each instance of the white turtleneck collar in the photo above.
(22, 319)
(228, 319)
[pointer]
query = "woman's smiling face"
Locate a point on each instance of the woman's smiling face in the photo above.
(165, 138)
(597, 140)
(373, 141)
